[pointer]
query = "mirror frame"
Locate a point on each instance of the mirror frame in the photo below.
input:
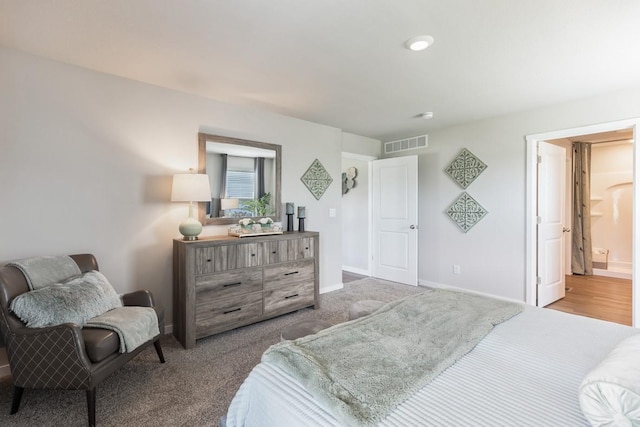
(202, 168)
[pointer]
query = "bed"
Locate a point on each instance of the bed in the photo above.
(526, 371)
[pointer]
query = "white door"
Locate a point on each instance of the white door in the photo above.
(551, 196)
(395, 219)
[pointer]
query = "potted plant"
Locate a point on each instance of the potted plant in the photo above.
(246, 223)
(266, 223)
(260, 206)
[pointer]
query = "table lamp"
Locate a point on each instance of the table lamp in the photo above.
(190, 187)
(227, 204)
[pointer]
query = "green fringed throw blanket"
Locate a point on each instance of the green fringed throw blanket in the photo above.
(362, 370)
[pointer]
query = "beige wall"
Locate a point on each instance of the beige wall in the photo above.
(492, 254)
(87, 161)
(612, 204)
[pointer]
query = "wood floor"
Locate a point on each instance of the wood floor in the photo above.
(600, 297)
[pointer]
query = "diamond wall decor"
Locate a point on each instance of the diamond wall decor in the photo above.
(317, 179)
(466, 212)
(465, 168)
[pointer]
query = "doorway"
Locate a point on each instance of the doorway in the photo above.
(532, 260)
(356, 214)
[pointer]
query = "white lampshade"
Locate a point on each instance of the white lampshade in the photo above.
(190, 187)
(226, 204)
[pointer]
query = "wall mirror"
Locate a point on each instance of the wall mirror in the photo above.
(244, 177)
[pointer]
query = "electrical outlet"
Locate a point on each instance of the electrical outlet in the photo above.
(456, 269)
(332, 213)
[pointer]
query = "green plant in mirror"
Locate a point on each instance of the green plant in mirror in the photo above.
(260, 206)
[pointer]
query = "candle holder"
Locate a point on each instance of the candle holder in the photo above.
(302, 213)
(289, 210)
(290, 221)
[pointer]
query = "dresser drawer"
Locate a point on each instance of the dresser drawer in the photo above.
(250, 254)
(215, 259)
(229, 283)
(289, 250)
(289, 272)
(223, 314)
(289, 298)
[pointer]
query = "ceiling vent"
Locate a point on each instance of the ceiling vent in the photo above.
(412, 143)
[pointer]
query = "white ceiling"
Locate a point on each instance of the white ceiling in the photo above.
(342, 62)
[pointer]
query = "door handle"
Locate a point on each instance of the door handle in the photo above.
(413, 227)
(565, 229)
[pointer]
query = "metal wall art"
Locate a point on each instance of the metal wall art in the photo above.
(465, 168)
(317, 179)
(466, 212)
(349, 179)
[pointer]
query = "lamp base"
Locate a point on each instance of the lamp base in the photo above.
(190, 229)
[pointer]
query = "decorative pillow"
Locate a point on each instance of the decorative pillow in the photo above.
(74, 301)
(610, 394)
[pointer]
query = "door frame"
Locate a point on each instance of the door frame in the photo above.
(532, 204)
(368, 160)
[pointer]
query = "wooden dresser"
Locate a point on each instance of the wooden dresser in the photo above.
(221, 283)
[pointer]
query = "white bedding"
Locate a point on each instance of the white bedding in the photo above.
(526, 372)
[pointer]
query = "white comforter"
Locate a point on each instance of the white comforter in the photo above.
(526, 372)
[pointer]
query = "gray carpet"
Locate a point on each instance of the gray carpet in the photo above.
(194, 387)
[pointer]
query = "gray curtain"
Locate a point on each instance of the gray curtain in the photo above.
(581, 248)
(223, 177)
(216, 204)
(259, 168)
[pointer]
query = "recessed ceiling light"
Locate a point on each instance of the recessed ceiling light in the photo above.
(428, 115)
(419, 43)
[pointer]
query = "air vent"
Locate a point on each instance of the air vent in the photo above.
(406, 144)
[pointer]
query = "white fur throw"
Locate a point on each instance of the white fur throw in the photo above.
(610, 394)
(74, 301)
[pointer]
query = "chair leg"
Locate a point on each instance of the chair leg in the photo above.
(17, 396)
(91, 406)
(156, 344)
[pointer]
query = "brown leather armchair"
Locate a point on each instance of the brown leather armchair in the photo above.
(64, 356)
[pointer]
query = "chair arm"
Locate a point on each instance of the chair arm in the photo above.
(52, 357)
(142, 298)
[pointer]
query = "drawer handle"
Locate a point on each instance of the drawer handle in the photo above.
(209, 260)
(290, 296)
(289, 274)
(307, 248)
(231, 311)
(231, 284)
(274, 252)
(253, 254)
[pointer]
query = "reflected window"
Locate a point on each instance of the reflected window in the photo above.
(240, 185)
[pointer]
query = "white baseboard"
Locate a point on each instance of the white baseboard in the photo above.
(356, 270)
(430, 284)
(612, 273)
